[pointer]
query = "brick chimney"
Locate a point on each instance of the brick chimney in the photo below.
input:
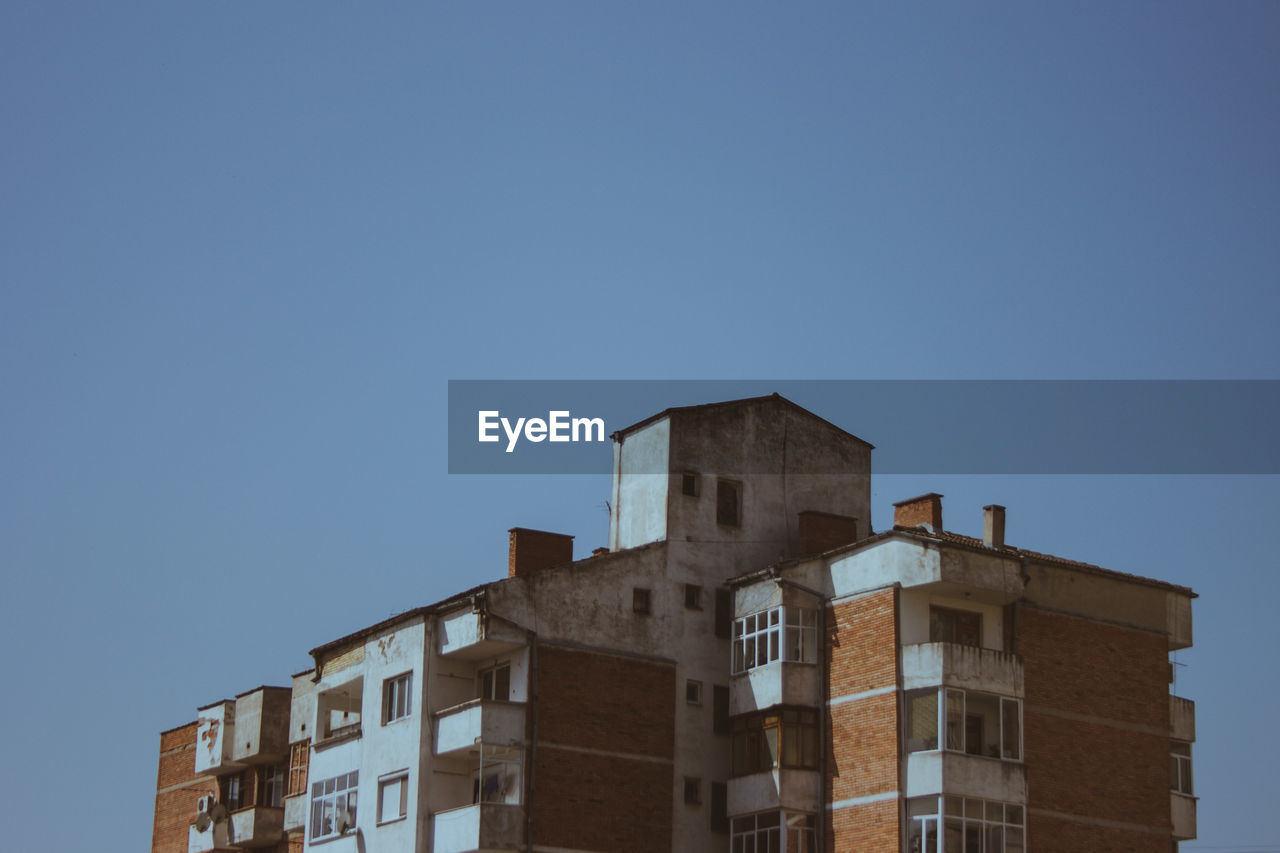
(534, 550)
(926, 509)
(822, 531)
(993, 525)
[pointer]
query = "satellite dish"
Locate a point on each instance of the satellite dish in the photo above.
(203, 822)
(218, 812)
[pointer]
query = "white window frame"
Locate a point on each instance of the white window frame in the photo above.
(397, 697)
(271, 780)
(953, 702)
(778, 633)
(783, 831)
(328, 798)
(400, 781)
(997, 824)
(489, 692)
(1180, 781)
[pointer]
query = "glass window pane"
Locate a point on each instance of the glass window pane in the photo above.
(955, 720)
(922, 721)
(1010, 730)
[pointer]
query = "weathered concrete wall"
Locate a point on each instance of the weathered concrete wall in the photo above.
(640, 483)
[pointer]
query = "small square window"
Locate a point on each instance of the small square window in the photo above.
(728, 503)
(393, 797)
(692, 790)
(692, 597)
(689, 484)
(640, 601)
(693, 692)
(396, 699)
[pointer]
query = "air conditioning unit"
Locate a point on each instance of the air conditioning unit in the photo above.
(204, 805)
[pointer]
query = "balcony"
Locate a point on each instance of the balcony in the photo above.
(261, 726)
(215, 739)
(245, 829)
(1182, 719)
(797, 790)
(959, 774)
(471, 635)
(1182, 813)
(967, 667)
(479, 827)
(462, 728)
(779, 683)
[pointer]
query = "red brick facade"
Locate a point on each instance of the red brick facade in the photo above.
(177, 789)
(603, 758)
(862, 736)
(1096, 734)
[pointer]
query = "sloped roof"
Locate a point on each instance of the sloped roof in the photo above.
(745, 401)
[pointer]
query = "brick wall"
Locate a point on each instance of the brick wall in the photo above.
(603, 771)
(177, 789)
(862, 734)
(1096, 734)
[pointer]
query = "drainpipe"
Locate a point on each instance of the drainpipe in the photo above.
(531, 705)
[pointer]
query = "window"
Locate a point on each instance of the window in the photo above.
(333, 806)
(774, 832)
(955, 626)
(640, 601)
(966, 824)
(757, 639)
(232, 791)
(393, 796)
(299, 757)
(692, 597)
(728, 503)
(497, 778)
(692, 790)
(271, 785)
(974, 723)
(495, 683)
(1180, 767)
(397, 700)
(689, 484)
(693, 692)
(786, 738)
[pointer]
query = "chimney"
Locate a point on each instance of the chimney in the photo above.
(534, 550)
(822, 531)
(926, 509)
(993, 526)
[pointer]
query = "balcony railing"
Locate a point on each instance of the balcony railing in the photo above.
(1182, 719)
(967, 667)
(796, 790)
(462, 727)
(479, 827)
(960, 774)
(777, 683)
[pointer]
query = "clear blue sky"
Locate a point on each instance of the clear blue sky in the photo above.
(243, 246)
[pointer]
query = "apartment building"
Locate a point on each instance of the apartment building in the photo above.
(746, 667)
